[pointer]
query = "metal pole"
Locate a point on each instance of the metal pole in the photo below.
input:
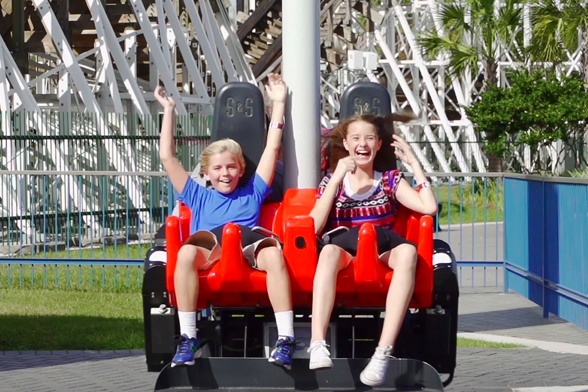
(300, 54)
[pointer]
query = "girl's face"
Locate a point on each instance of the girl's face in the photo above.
(362, 143)
(224, 172)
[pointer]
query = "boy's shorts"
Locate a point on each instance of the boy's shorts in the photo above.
(348, 240)
(251, 243)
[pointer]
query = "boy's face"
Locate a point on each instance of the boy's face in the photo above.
(224, 172)
(362, 143)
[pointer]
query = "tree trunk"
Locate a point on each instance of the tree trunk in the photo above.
(494, 161)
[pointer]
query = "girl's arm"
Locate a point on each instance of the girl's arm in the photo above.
(322, 208)
(276, 90)
(175, 171)
(423, 202)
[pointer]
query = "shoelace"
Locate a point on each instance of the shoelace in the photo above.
(184, 347)
(320, 346)
(285, 346)
(380, 361)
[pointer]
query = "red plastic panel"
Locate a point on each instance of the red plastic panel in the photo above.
(364, 283)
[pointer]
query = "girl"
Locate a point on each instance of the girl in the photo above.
(360, 191)
(223, 164)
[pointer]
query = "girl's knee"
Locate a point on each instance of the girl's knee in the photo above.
(329, 258)
(405, 256)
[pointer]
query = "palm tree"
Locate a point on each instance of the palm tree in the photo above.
(474, 32)
(557, 29)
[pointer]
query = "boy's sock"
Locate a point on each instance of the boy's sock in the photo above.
(187, 324)
(285, 323)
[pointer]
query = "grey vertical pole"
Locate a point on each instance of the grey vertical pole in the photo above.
(301, 67)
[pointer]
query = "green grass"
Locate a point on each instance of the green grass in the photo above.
(113, 252)
(461, 342)
(479, 201)
(69, 320)
(34, 319)
(86, 278)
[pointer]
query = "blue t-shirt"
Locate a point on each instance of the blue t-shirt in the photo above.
(212, 209)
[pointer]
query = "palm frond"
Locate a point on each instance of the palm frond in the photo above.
(453, 16)
(433, 44)
(463, 58)
(576, 18)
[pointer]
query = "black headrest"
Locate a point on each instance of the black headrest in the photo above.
(364, 98)
(239, 115)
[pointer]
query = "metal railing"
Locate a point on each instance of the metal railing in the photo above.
(546, 243)
(82, 229)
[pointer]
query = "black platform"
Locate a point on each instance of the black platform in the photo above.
(256, 374)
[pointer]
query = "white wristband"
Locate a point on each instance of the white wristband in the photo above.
(275, 124)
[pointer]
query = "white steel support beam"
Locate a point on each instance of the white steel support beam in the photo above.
(416, 108)
(29, 104)
(131, 56)
(459, 93)
(54, 29)
(211, 55)
(189, 61)
(231, 40)
(167, 77)
(8, 191)
(111, 45)
(216, 37)
(163, 38)
(431, 88)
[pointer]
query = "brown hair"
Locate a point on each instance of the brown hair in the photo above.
(385, 157)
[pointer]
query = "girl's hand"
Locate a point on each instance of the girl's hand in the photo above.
(166, 102)
(403, 151)
(344, 166)
(276, 88)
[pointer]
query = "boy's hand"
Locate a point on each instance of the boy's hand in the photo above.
(276, 88)
(166, 102)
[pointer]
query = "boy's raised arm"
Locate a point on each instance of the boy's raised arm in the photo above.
(276, 90)
(175, 171)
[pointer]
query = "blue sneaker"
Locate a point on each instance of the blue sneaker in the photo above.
(187, 350)
(282, 354)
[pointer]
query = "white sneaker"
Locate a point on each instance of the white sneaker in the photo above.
(374, 373)
(320, 357)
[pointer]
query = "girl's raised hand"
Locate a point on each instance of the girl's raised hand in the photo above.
(403, 151)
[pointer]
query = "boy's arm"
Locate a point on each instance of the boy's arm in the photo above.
(175, 171)
(276, 90)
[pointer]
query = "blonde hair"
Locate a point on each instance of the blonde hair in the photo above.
(219, 147)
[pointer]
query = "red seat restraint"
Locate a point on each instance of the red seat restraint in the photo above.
(231, 281)
(365, 282)
(296, 230)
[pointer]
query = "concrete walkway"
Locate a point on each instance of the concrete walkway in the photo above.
(484, 315)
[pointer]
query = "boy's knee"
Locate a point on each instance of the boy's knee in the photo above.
(271, 258)
(187, 255)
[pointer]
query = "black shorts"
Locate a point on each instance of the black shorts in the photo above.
(251, 243)
(248, 236)
(387, 240)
